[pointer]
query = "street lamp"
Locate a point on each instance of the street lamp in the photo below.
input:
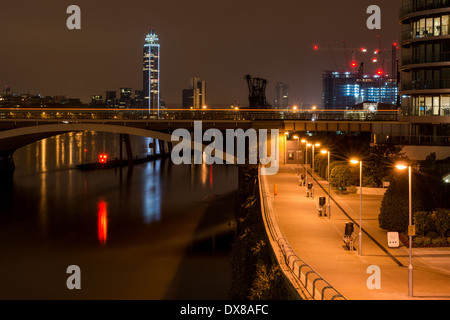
(304, 167)
(403, 166)
(307, 144)
(298, 155)
(356, 161)
(329, 182)
(286, 134)
(312, 164)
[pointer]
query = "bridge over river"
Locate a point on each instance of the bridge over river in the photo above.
(22, 126)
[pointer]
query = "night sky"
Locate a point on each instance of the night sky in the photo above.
(218, 41)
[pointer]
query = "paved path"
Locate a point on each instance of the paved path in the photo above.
(318, 241)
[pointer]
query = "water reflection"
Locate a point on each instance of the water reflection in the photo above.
(54, 214)
(152, 194)
(102, 222)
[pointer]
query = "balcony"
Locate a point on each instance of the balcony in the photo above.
(425, 32)
(426, 84)
(419, 59)
(408, 9)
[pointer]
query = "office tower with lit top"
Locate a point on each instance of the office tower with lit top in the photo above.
(151, 72)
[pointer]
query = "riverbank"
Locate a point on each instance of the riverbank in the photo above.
(256, 273)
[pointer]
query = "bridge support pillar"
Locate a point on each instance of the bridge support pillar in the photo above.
(6, 161)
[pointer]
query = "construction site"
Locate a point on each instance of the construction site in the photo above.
(368, 79)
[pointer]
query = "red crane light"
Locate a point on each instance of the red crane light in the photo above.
(316, 47)
(354, 64)
(379, 72)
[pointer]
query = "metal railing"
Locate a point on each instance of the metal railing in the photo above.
(317, 287)
(413, 140)
(425, 32)
(177, 114)
(439, 57)
(426, 84)
(436, 4)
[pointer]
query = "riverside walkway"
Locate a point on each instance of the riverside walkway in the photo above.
(318, 241)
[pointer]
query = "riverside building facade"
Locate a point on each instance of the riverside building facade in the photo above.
(425, 67)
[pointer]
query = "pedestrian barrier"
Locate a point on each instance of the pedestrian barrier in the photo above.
(315, 285)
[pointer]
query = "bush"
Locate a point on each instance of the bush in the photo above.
(394, 213)
(423, 222)
(394, 210)
(341, 177)
(439, 242)
(369, 181)
(442, 221)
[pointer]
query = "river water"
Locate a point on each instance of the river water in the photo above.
(156, 231)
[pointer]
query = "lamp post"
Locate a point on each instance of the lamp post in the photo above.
(402, 166)
(298, 154)
(356, 161)
(304, 167)
(312, 164)
(286, 134)
(329, 183)
(306, 159)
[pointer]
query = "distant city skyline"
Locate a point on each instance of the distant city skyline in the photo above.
(231, 40)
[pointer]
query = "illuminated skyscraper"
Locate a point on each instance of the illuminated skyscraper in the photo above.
(151, 72)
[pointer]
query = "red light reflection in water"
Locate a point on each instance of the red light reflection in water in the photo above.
(210, 176)
(102, 223)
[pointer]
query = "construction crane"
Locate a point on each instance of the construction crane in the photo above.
(257, 93)
(352, 61)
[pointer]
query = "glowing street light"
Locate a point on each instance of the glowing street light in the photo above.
(286, 134)
(307, 144)
(356, 161)
(403, 166)
(329, 183)
(298, 155)
(312, 164)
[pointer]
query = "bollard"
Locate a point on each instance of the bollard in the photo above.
(275, 190)
(309, 190)
(322, 208)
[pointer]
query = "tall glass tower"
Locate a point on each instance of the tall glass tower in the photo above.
(151, 72)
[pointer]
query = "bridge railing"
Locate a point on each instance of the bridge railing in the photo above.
(211, 114)
(413, 140)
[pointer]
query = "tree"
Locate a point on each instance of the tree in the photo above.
(382, 158)
(341, 176)
(394, 210)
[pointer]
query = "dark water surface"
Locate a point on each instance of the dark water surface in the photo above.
(152, 232)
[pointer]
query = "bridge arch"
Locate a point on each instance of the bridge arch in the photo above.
(13, 139)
